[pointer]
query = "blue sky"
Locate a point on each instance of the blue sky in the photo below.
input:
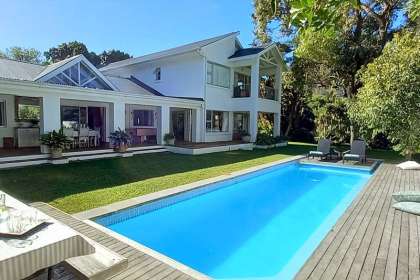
(137, 27)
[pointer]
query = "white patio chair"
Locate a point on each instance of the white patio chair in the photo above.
(69, 133)
(84, 137)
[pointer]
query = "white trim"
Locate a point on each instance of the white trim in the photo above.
(80, 59)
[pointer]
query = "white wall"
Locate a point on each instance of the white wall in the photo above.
(9, 129)
(181, 75)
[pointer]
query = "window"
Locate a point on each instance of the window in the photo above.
(143, 118)
(218, 75)
(157, 74)
(27, 109)
(240, 122)
(217, 121)
(2, 113)
(79, 75)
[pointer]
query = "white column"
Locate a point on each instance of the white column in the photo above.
(255, 79)
(119, 115)
(165, 120)
(277, 85)
(255, 87)
(51, 114)
(276, 127)
(253, 124)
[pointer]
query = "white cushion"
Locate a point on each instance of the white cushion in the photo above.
(409, 165)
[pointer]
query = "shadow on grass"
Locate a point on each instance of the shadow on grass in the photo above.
(47, 183)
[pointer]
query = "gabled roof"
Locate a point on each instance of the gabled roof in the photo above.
(174, 51)
(49, 68)
(247, 51)
(17, 70)
(126, 85)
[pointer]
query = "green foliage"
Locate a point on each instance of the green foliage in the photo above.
(111, 56)
(30, 55)
(55, 140)
(168, 136)
(66, 50)
(119, 138)
(331, 119)
(265, 132)
(389, 101)
(29, 112)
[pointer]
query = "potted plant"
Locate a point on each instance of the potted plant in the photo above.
(245, 136)
(55, 141)
(169, 139)
(120, 140)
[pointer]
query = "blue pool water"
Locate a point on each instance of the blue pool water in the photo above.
(261, 225)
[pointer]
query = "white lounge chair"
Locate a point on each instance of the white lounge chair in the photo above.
(409, 207)
(103, 264)
(323, 149)
(357, 151)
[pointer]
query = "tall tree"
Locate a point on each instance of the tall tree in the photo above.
(389, 101)
(111, 56)
(338, 37)
(30, 55)
(66, 50)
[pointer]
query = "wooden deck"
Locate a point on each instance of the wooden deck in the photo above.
(140, 265)
(371, 240)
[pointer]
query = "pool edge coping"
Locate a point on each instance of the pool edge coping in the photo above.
(143, 199)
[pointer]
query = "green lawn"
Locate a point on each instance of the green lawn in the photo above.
(80, 186)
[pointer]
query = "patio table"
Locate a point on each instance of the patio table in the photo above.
(44, 248)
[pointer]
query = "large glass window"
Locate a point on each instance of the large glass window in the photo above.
(143, 117)
(217, 121)
(73, 117)
(79, 75)
(218, 75)
(2, 113)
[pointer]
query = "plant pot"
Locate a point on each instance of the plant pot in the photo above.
(44, 149)
(170, 142)
(246, 138)
(56, 152)
(121, 148)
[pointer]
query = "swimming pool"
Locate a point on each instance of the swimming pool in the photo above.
(263, 224)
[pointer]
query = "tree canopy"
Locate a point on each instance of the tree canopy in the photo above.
(30, 55)
(66, 50)
(389, 101)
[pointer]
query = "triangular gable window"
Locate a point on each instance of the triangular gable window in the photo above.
(79, 75)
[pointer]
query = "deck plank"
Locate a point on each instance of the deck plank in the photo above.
(140, 264)
(371, 240)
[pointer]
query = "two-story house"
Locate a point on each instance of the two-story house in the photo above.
(206, 91)
(236, 85)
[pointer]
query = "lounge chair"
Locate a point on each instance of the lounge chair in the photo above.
(409, 207)
(103, 264)
(407, 196)
(322, 150)
(356, 152)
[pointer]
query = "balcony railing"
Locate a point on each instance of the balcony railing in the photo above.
(241, 91)
(267, 93)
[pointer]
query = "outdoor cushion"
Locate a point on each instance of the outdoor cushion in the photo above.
(316, 153)
(409, 207)
(351, 156)
(406, 196)
(409, 165)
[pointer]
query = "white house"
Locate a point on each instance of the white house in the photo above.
(202, 92)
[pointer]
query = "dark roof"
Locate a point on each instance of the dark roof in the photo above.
(155, 92)
(247, 51)
(144, 86)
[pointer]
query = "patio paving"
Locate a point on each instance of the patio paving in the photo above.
(371, 240)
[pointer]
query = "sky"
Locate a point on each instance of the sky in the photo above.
(137, 27)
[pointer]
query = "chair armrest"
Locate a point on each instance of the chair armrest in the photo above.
(345, 152)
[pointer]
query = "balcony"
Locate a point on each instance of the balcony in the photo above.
(241, 91)
(266, 92)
